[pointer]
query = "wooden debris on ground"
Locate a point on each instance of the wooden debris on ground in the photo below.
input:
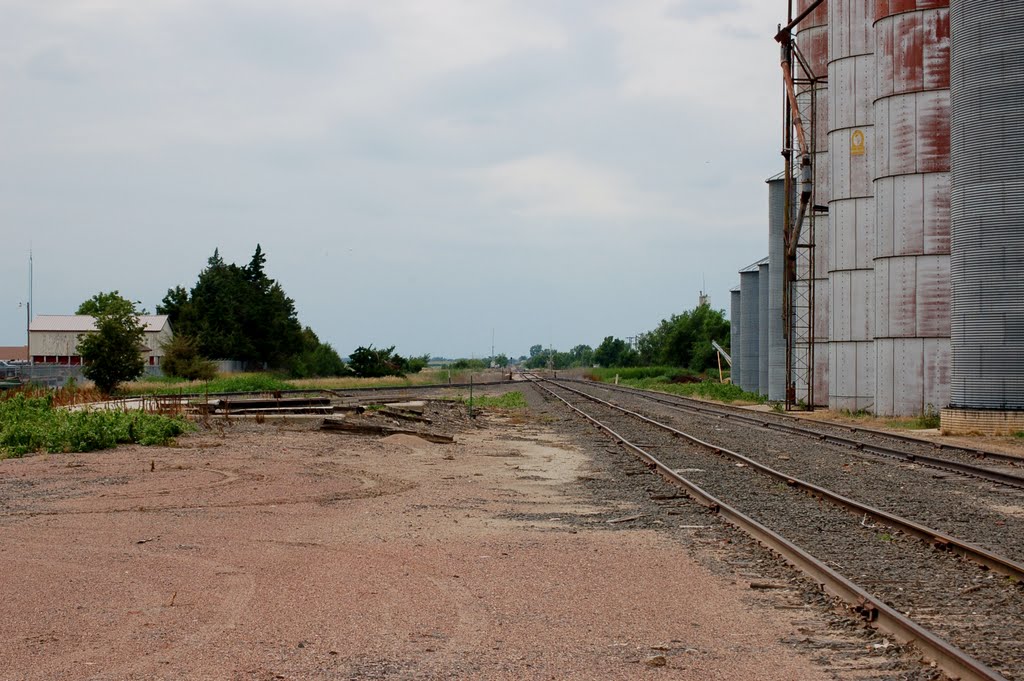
(363, 428)
(403, 415)
(627, 519)
(268, 405)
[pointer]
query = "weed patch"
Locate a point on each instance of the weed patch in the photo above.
(929, 418)
(711, 390)
(659, 374)
(264, 382)
(512, 400)
(34, 424)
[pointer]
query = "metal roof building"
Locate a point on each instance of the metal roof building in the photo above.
(53, 339)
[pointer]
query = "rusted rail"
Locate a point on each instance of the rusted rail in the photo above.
(939, 539)
(948, 465)
(946, 656)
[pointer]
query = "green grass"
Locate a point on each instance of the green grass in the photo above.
(859, 414)
(1019, 434)
(512, 400)
(33, 424)
(266, 382)
(662, 374)
(929, 418)
(234, 383)
(710, 390)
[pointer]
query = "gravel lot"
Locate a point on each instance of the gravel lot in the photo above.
(256, 552)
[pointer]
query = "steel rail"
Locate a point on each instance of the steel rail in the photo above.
(950, 659)
(903, 437)
(938, 539)
(1001, 477)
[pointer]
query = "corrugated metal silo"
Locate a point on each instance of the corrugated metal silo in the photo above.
(851, 268)
(750, 344)
(911, 184)
(763, 285)
(812, 38)
(776, 272)
(987, 270)
(735, 335)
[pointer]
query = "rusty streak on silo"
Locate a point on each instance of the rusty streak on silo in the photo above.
(987, 270)
(851, 91)
(912, 188)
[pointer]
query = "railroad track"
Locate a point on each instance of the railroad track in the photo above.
(990, 514)
(975, 614)
(912, 449)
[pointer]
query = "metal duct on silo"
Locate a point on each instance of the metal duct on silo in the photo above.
(762, 327)
(750, 344)
(912, 189)
(735, 337)
(851, 266)
(987, 269)
(812, 39)
(776, 272)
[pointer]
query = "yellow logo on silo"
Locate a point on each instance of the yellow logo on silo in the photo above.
(857, 143)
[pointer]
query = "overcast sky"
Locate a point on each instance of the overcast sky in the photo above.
(418, 172)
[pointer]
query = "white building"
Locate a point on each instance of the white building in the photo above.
(53, 339)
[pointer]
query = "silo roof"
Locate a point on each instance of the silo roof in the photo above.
(753, 267)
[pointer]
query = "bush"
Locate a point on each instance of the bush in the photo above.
(33, 424)
(182, 359)
(469, 364)
(368, 362)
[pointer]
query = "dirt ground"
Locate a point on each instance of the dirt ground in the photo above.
(252, 552)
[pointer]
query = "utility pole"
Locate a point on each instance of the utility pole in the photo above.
(28, 316)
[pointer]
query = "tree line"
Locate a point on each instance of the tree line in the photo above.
(232, 312)
(682, 340)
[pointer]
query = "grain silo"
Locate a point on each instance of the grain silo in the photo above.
(750, 342)
(776, 281)
(736, 336)
(987, 269)
(911, 187)
(763, 284)
(851, 267)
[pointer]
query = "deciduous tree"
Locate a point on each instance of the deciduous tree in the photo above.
(112, 353)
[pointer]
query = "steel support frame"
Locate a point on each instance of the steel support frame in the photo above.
(798, 303)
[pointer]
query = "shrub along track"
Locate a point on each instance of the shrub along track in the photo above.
(975, 609)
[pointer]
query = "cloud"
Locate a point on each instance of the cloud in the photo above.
(353, 136)
(706, 53)
(53, 64)
(561, 186)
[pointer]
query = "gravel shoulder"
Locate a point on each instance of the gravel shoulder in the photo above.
(256, 552)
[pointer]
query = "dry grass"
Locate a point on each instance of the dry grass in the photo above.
(62, 397)
(253, 382)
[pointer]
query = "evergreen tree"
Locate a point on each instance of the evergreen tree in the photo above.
(237, 313)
